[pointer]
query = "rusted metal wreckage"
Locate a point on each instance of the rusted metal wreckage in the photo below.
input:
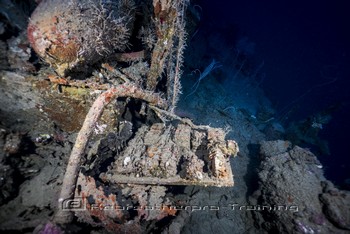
(132, 160)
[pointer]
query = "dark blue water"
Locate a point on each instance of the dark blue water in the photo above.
(306, 53)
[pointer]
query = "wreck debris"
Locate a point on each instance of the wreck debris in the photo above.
(167, 52)
(202, 153)
(158, 148)
(96, 205)
(93, 115)
(69, 34)
(219, 150)
(174, 154)
(102, 206)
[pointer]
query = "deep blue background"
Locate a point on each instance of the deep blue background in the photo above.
(305, 49)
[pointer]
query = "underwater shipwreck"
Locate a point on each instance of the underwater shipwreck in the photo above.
(109, 124)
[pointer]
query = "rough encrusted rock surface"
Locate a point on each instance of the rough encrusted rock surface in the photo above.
(292, 178)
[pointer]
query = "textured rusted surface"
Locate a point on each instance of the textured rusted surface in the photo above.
(175, 155)
(100, 209)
